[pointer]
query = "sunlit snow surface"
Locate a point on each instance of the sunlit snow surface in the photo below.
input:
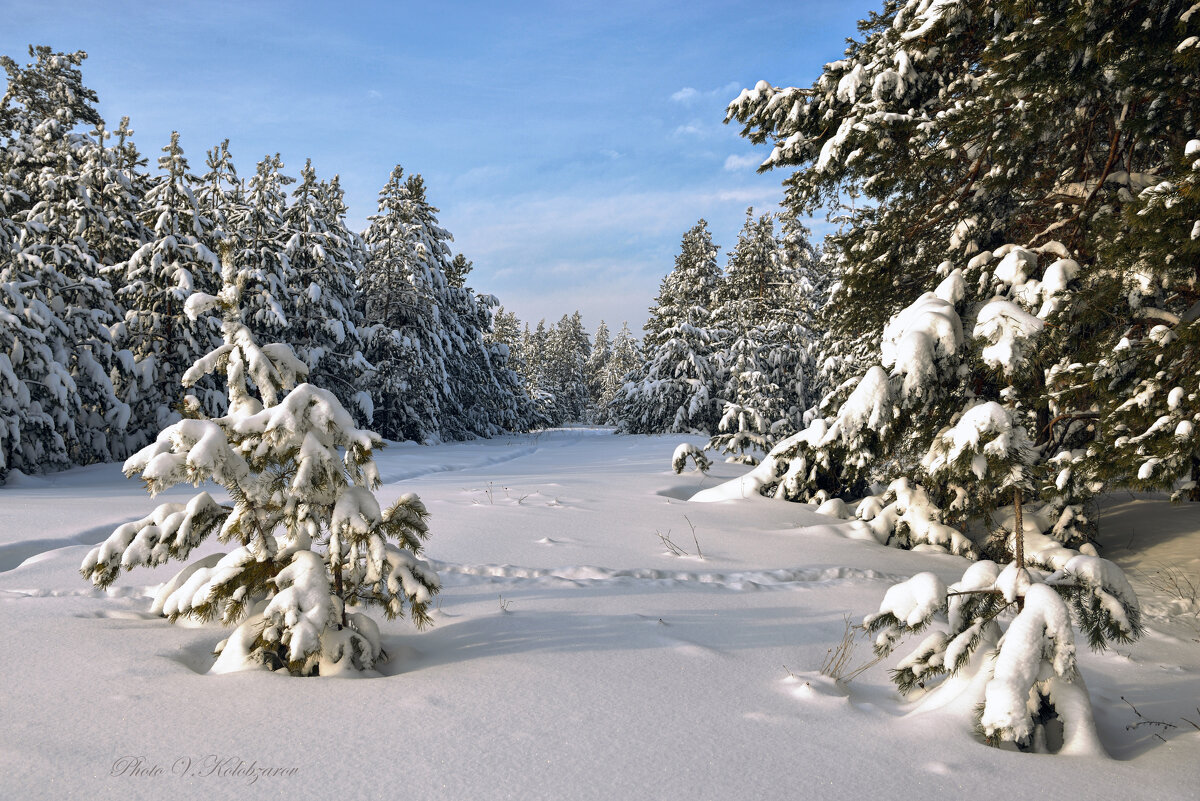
(574, 654)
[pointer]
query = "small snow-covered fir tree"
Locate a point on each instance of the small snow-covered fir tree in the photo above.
(1022, 677)
(313, 545)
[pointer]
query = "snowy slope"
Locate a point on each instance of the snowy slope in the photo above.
(573, 656)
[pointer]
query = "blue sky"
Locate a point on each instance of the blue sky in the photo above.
(568, 145)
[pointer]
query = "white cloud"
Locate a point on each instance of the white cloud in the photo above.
(753, 196)
(603, 253)
(737, 163)
(374, 94)
(688, 94)
(691, 129)
(542, 234)
(481, 176)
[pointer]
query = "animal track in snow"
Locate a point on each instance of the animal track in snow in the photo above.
(395, 476)
(786, 578)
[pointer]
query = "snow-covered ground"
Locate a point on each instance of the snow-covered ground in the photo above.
(574, 654)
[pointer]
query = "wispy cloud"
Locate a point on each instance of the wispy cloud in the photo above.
(737, 163)
(525, 226)
(485, 175)
(685, 95)
(688, 94)
(689, 129)
(546, 255)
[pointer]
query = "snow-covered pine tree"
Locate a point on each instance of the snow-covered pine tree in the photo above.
(61, 208)
(595, 367)
(219, 193)
(765, 365)
(512, 409)
(458, 270)
(33, 384)
(450, 325)
(753, 404)
(506, 342)
(52, 280)
(1153, 371)
(962, 141)
(505, 336)
(566, 356)
(949, 449)
(127, 159)
(491, 396)
(625, 359)
(539, 382)
(400, 334)
(313, 546)
(810, 271)
(980, 464)
(112, 225)
(673, 391)
(687, 293)
(755, 286)
(155, 282)
(471, 381)
(113, 229)
(1028, 689)
(676, 389)
(258, 231)
(506, 330)
(321, 306)
(444, 320)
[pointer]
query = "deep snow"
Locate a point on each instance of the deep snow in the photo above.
(574, 655)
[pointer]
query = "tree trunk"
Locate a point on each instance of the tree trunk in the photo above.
(339, 589)
(1018, 540)
(1018, 531)
(1194, 492)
